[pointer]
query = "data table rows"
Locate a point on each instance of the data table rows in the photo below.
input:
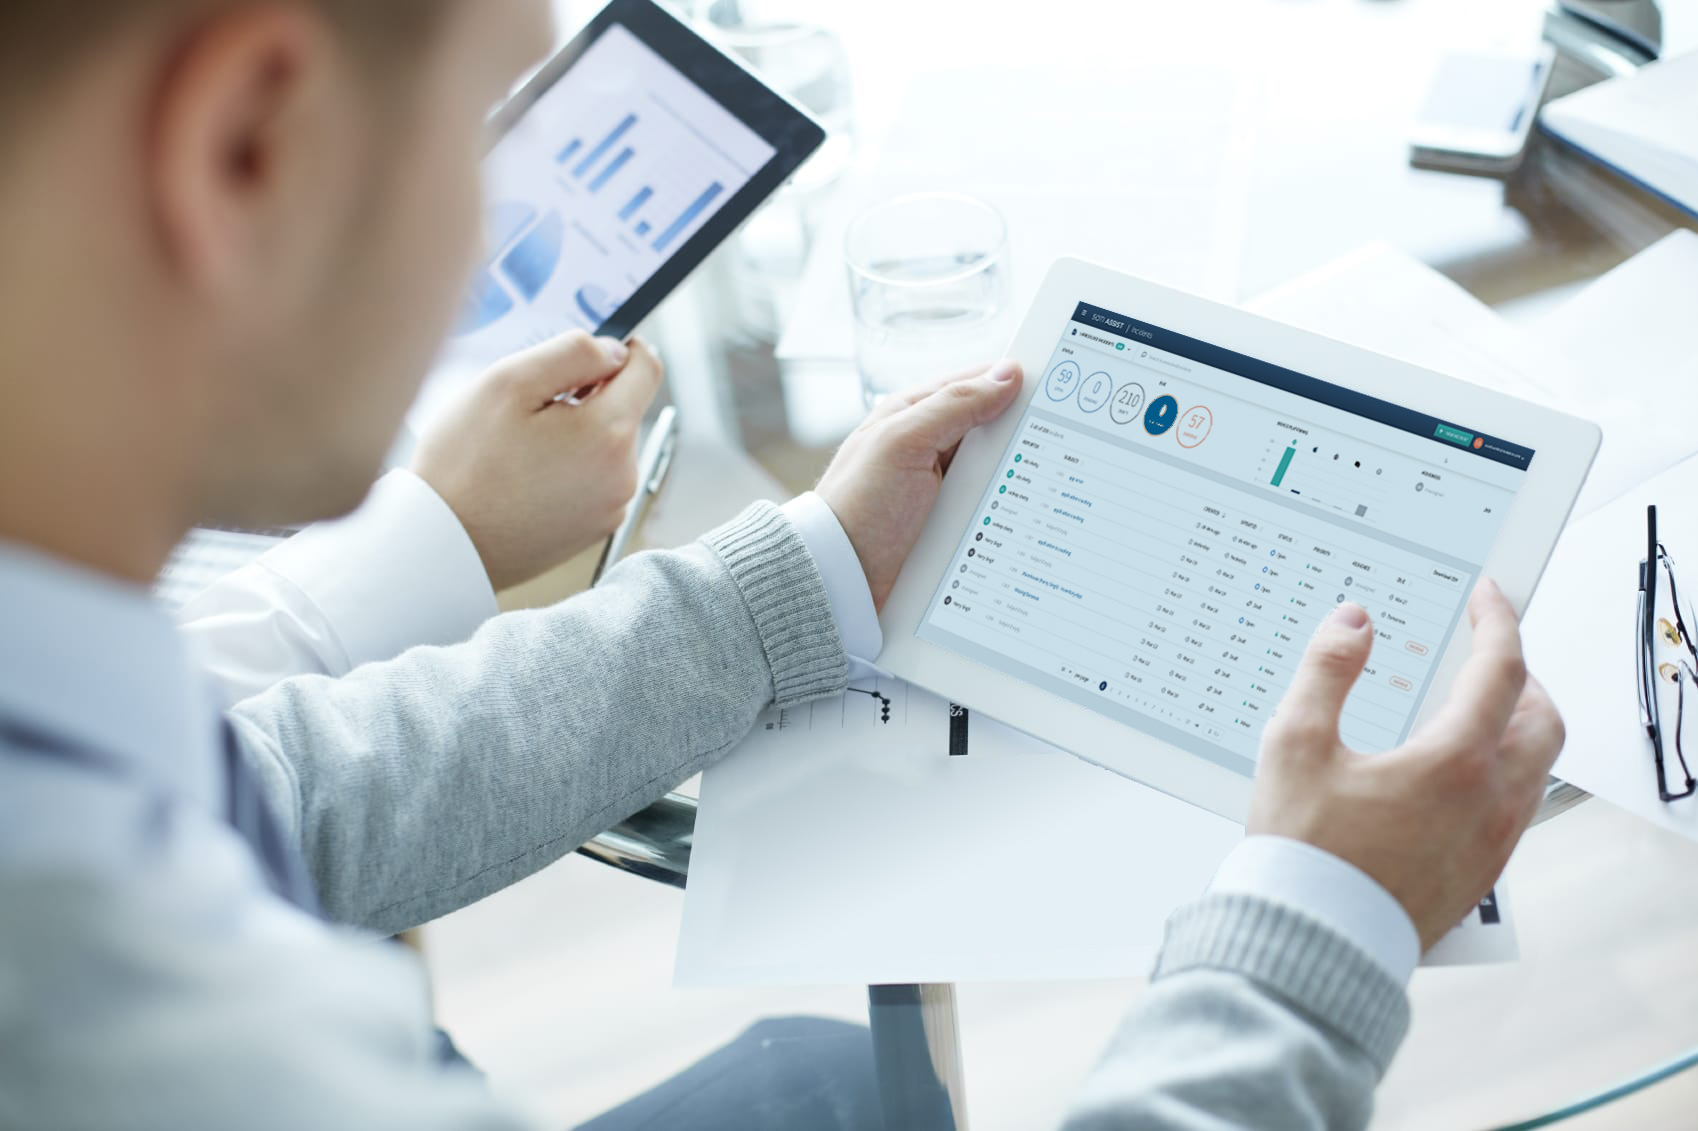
(1191, 603)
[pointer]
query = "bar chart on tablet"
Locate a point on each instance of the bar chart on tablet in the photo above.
(660, 176)
(605, 177)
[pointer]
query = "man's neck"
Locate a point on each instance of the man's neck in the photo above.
(89, 488)
(133, 560)
(124, 545)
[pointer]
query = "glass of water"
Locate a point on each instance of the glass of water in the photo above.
(928, 277)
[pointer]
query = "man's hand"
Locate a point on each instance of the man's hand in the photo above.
(1435, 820)
(535, 480)
(885, 478)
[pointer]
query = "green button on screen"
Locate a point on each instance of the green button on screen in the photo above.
(1454, 435)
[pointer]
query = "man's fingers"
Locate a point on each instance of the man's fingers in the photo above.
(939, 420)
(627, 395)
(1308, 714)
(1534, 737)
(1489, 685)
(896, 402)
(563, 364)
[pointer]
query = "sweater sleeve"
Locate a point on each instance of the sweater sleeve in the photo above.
(1257, 1017)
(421, 784)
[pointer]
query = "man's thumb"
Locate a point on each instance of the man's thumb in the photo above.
(941, 419)
(1329, 670)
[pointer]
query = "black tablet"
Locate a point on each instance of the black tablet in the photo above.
(614, 171)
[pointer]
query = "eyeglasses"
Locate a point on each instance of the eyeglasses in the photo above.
(1680, 668)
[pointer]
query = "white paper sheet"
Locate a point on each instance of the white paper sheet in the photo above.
(1630, 344)
(844, 842)
(835, 847)
(1581, 635)
(1383, 299)
(1487, 936)
(1151, 180)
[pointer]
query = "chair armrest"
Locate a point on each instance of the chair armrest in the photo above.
(653, 844)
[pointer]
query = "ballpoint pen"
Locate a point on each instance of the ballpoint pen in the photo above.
(652, 466)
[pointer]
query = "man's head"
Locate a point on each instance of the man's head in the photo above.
(232, 234)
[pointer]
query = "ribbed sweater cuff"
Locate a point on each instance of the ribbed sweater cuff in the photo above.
(786, 597)
(1296, 958)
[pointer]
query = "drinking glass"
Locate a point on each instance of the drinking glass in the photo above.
(928, 277)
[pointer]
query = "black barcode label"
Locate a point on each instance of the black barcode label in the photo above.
(1489, 908)
(957, 731)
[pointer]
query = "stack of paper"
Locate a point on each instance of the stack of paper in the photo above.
(1641, 127)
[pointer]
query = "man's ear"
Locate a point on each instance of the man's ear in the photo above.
(229, 108)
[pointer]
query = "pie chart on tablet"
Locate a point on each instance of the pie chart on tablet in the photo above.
(524, 253)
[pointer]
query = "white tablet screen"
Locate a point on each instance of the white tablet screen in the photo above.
(601, 181)
(1173, 519)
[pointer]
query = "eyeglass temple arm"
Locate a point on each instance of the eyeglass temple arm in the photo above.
(1647, 613)
(1648, 570)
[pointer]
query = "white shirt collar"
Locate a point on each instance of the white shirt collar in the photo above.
(94, 664)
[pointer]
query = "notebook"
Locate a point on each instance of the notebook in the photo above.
(1640, 127)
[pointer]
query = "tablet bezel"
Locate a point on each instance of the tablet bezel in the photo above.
(1563, 446)
(779, 122)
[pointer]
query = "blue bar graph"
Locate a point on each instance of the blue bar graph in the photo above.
(709, 195)
(613, 167)
(604, 145)
(626, 212)
(566, 154)
(642, 227)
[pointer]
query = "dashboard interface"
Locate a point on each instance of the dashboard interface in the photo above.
(1172, 520)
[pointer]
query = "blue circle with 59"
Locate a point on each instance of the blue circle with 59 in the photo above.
(1062, 381)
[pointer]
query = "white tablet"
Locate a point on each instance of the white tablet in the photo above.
(1131, 561)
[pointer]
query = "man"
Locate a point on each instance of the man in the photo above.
(231, 232)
